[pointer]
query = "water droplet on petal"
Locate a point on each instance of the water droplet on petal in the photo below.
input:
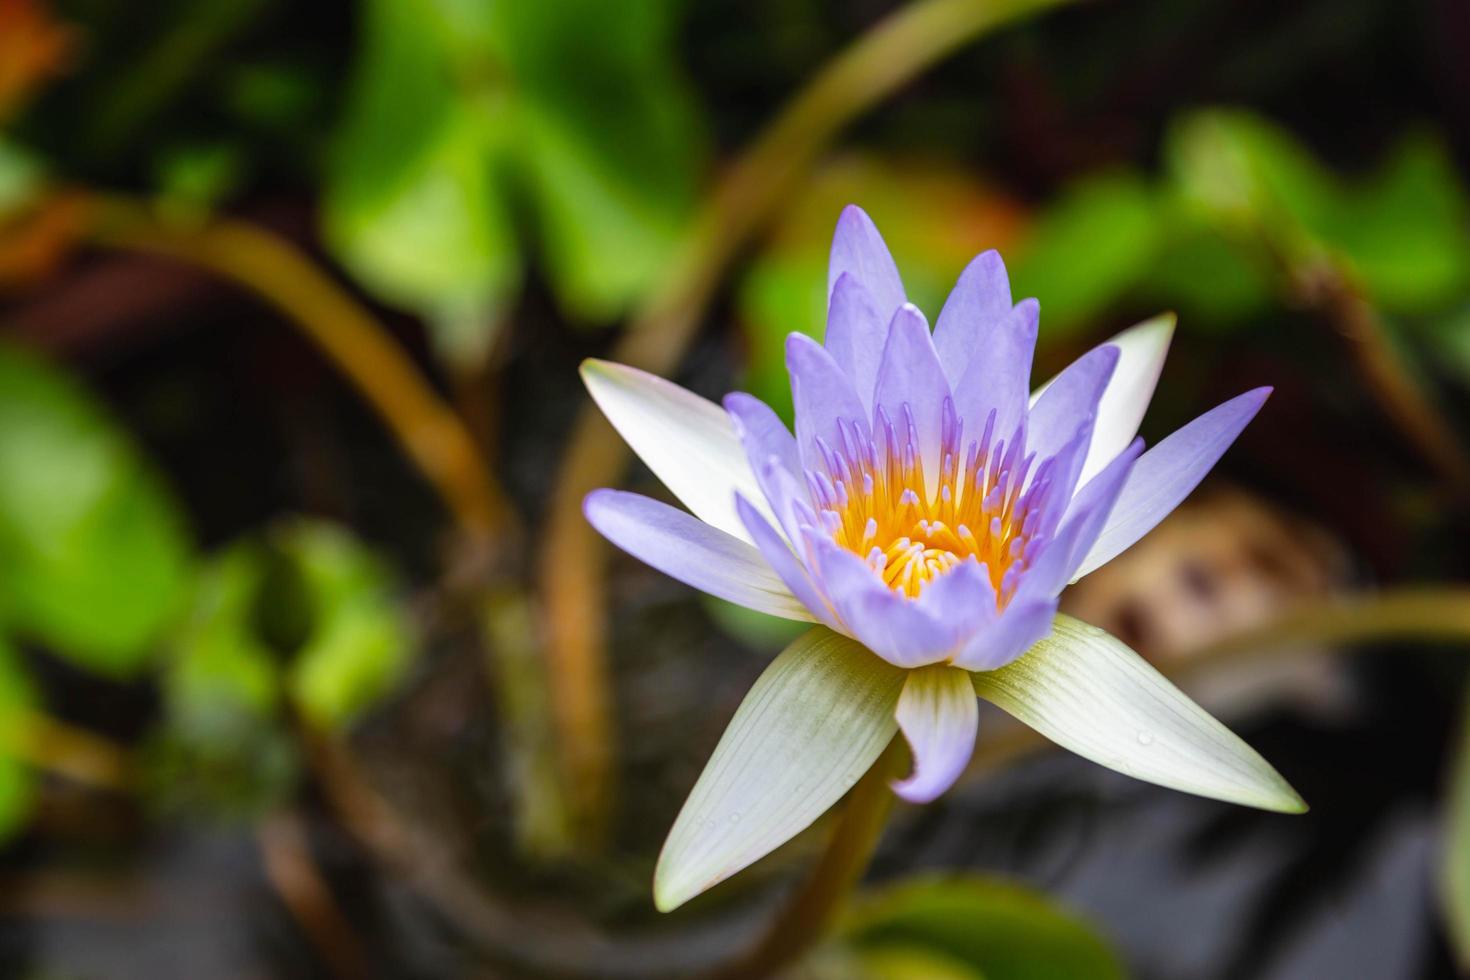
(1145, 738)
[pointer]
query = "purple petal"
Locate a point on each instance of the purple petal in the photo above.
(855, 335)
(963, 597)
(998, 377)
(939, 715)
(1022, 623)
(979, 301)
(824, 400)
(1064, 469)
(1166, 474)
(691, 551)
(788, 498)
(787, 566)
(1085, 519)
(858, 249)
(766, 438)
(911, 383)
(895, 628)
(762, 432)
(1070, 398)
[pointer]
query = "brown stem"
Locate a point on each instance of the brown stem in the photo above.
(274, 269)
(1382, 369)
(307, 896)
(513, 663)
(572, 559)
(1430, 615)
(805, 920)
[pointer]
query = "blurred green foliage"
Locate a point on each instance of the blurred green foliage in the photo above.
(17, 783)
(20, 176)
(94, 557)
(1237, 200)
(303, 619)
(463, 118)
(357, 641)
(1401, 230)
(96, 567)
(972, 926)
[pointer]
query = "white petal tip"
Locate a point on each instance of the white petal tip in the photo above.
(667, 895)
(1163, 323)
(593, 365)
(1086, 691)
(1288, 801)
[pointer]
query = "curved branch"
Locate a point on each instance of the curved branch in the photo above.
(430, 432)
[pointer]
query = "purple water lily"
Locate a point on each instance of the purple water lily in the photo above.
(929, 506)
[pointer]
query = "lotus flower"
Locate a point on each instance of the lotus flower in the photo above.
(926, 513)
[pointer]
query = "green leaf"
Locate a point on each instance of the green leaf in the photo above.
(450, 100)
(17, 781)
(1406, 230)
(1086, 691)
(359, 642)
(814, 722)
(413, 207)
(1401, 231)
(222, 747)
(93, 554)
(996, 929)
(21, 177)
(1248, 174)
(220, 665)
(1214, 282)
(193, 178)
(1450, 336)
(905, 962)
(1088, 248)
(608, 141)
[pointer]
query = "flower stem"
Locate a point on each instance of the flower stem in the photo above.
(1327, 286)
(804, 921)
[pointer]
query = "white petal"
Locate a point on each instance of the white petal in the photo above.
(814, 722)
(1167, 473)
(1141, 352)
(1086, 691)
(688, 442)
(1141, 349)
(939, 715)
